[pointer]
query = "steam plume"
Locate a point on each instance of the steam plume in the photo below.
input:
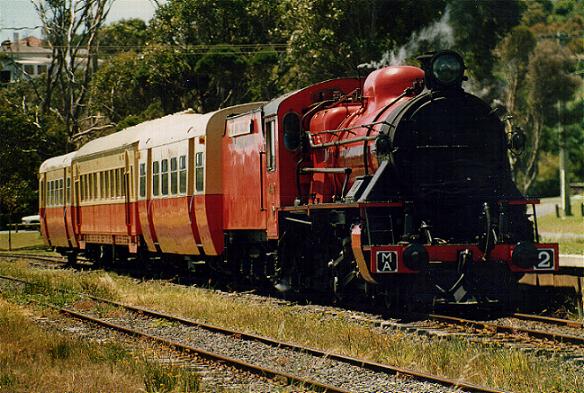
(438, 35)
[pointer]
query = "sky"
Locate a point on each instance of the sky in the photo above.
(21, 13)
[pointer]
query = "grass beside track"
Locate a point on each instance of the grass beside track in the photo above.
(507, 369)
(33, 359)
(28, 239)
(550, 224)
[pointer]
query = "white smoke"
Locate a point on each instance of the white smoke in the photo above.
(438, 35)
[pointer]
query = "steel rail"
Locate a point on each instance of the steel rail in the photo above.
(550, 320)
(237, 363)
(373, 366)
(565, 338)
(47, 258)
(53, 259)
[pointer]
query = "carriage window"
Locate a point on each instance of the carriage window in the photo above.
(131, 186)
(118, 183)
(155, 178)
(173, 176)
(85, 188)
(123, 183)
(94, 183)
(106, 184)
(199, 171)
(49, 193)
(61, 192)
(112, 187)
(68, 190)
(81, 188)
(102, 191)
(164, 179)
(271, 145)
(142, 180)
(182, 166)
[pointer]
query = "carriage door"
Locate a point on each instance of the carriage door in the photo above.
(43, 205)
(69, 213)
(271, 185)
(76, 201)
(146, 205)
(127, 190)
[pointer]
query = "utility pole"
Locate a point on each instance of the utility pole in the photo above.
(564, 178)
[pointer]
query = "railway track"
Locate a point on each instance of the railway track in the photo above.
(50, 261)
(550, 320)
(500, 326)
(570, 332)
(351, 369)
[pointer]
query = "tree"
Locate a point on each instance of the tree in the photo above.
(20, 158)
(549, 81)
(514, 52)
(330, 38)
(124, 35)
(120, 87)
(478, 27)
(71, 29)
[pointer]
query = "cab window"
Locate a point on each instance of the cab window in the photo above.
(271, 145)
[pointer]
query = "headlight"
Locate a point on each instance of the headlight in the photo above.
(443, 70)
(447, 68)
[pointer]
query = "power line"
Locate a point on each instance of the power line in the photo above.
(21, 28)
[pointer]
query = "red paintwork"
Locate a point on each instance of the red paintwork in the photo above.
(111, 223)
(43, 227)
(243, 177)
(280, 184)
(381, 88)
(104, 219)
(70, 226)
(170, 217)
(144, 225)
(55, 226)
(209, 217)
(449, 253)
(528, 201)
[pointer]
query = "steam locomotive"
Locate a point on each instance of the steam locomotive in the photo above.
(397, 186)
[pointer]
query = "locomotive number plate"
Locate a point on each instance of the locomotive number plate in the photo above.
(545, 258)
(386, 261)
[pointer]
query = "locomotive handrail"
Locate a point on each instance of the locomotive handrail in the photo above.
(346, 171)
(349, 128)
(326, 170)
(338, 143)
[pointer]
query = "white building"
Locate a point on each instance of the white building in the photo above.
(23, 58)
